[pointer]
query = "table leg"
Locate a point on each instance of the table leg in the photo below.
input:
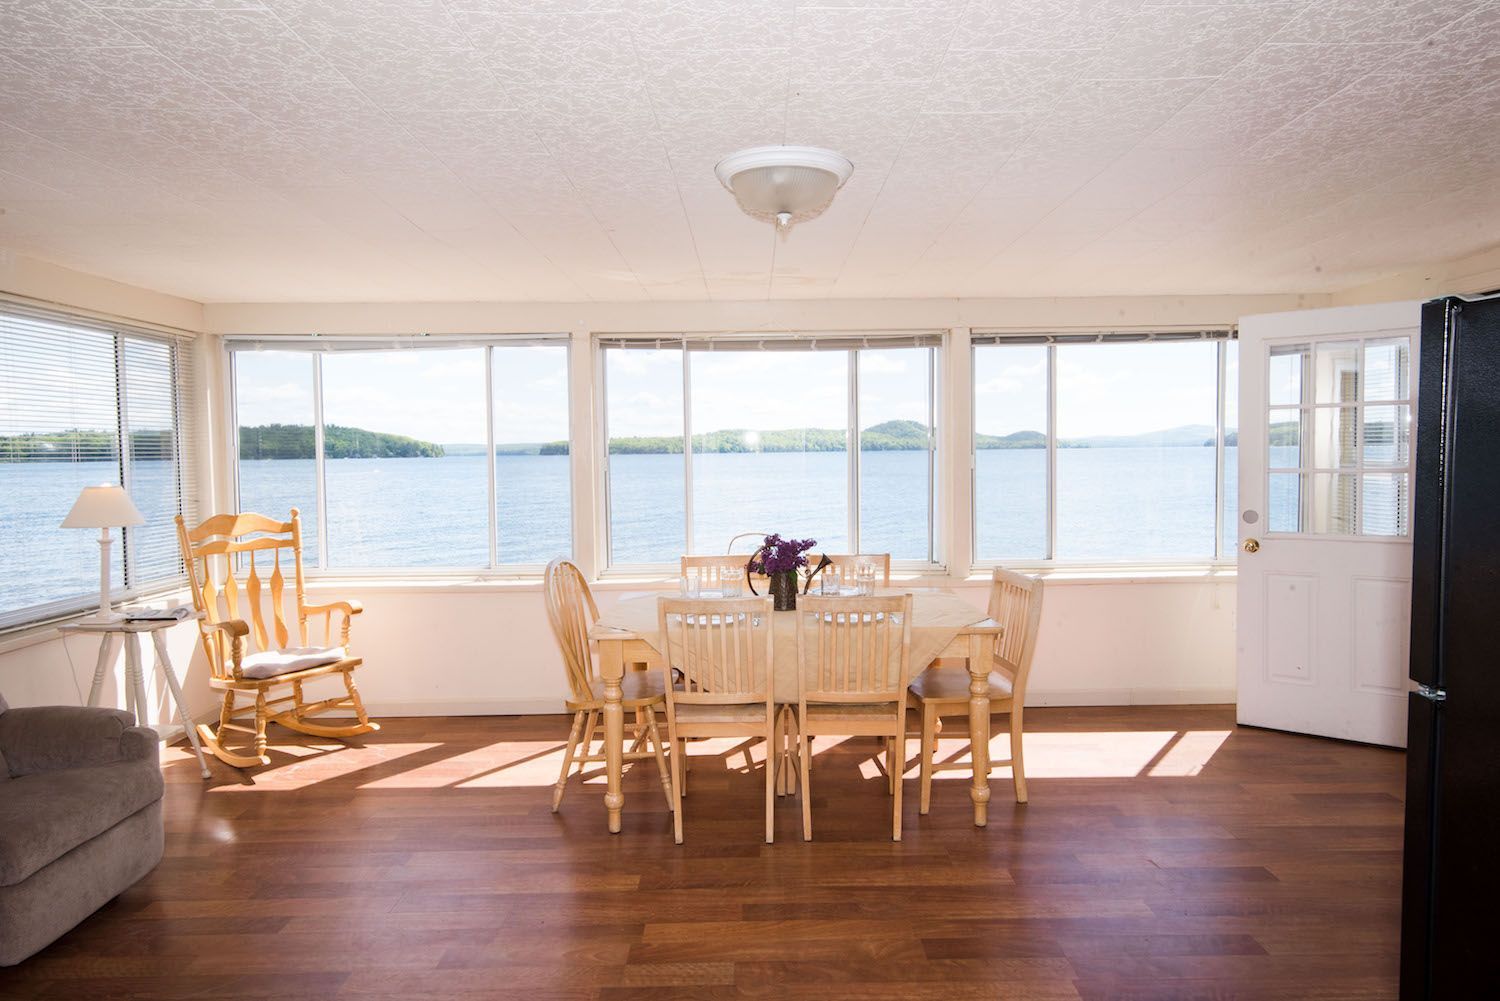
(135, 688)
(106, 658)
(980, 660)
(612, 672)
(164, 661)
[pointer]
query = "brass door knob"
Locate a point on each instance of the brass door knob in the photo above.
(1251, 545)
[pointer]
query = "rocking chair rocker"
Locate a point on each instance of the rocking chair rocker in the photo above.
(272, 664)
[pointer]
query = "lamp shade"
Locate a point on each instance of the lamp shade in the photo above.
(103, 507)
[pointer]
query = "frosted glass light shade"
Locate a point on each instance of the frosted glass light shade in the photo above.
(103, 507)
(783, 184)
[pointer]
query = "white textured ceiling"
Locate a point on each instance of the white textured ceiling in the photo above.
(555, 150)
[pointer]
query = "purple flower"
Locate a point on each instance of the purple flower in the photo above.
(778, 555)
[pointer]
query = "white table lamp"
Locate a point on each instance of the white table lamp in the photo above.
(102, 508)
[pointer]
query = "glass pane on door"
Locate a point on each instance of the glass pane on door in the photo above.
(1284, 503)
(1333, 504)
(1388, 369)
(1336, 372)
(1387, 435)
(1287, 362)
(1384, 502)
(1335, 436)
(1284, 441)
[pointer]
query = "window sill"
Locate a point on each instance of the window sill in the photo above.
(666, 580)
(1081, 574)
(27, 634)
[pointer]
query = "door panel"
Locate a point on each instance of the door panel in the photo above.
(1325, 493)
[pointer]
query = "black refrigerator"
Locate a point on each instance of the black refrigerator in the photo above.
(1450, 906)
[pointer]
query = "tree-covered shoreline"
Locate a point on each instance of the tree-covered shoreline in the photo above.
(79, 445)
(296, 441)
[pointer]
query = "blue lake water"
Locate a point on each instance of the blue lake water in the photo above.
(1119, 504)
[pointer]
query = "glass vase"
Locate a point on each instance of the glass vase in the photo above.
(784, 590)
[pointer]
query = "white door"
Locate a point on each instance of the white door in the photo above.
(1325, 486)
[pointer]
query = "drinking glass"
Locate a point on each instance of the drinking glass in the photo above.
(830, 582)
(865, 571)
(731, 584)
(690, 587)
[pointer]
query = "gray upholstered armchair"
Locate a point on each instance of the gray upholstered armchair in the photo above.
(80, 818)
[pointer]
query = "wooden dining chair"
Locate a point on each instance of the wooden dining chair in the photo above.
(722, 647)
(853, 657)
(847, 561)
(1016, 604)
(712, 569)
(572, 612)
(256, 658)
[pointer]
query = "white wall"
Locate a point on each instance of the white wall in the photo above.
(459, 649)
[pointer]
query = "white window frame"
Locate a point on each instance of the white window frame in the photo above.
(316, 346)
(1222, 336)
(852, 342)
(180, 347)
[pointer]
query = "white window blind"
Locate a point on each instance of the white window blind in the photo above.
(85, 402)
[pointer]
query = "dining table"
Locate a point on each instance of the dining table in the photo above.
(943, 626)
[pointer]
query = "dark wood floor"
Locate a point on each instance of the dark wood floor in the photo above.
(1165, 854)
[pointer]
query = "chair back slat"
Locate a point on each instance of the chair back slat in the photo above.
(233, 525)
(722, 647)
(210, 551)
(231, 595)
(278, 603)
(845, 562)
(855, 649)
(252, 597)
(1016, 603)
(572, 612)
(713, 569)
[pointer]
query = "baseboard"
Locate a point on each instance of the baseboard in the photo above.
(1131, 697)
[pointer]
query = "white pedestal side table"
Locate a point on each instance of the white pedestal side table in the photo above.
(116, 630)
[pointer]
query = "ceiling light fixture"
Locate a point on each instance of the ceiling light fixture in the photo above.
(783, 185)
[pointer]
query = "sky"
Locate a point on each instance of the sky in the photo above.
(437, 394)
(761, 390)
(1102, 389)
(429, 393)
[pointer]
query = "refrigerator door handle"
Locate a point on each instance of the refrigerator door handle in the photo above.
(1432, 693)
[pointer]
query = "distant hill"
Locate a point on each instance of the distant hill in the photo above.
(1016, 439)
(295, 441)
(1187, 434)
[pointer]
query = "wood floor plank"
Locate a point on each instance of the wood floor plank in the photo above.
(424, 862)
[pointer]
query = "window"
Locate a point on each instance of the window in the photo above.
(1103, 449)
(71, 392)
(1229, 392)
(1011, 458)
(405, 455)
(1339, 437)
(896, 452)
(711, 437)
(277, 471)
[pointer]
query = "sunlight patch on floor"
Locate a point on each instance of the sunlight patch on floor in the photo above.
(1096, 755)
(1191, 751)
(320, 764)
